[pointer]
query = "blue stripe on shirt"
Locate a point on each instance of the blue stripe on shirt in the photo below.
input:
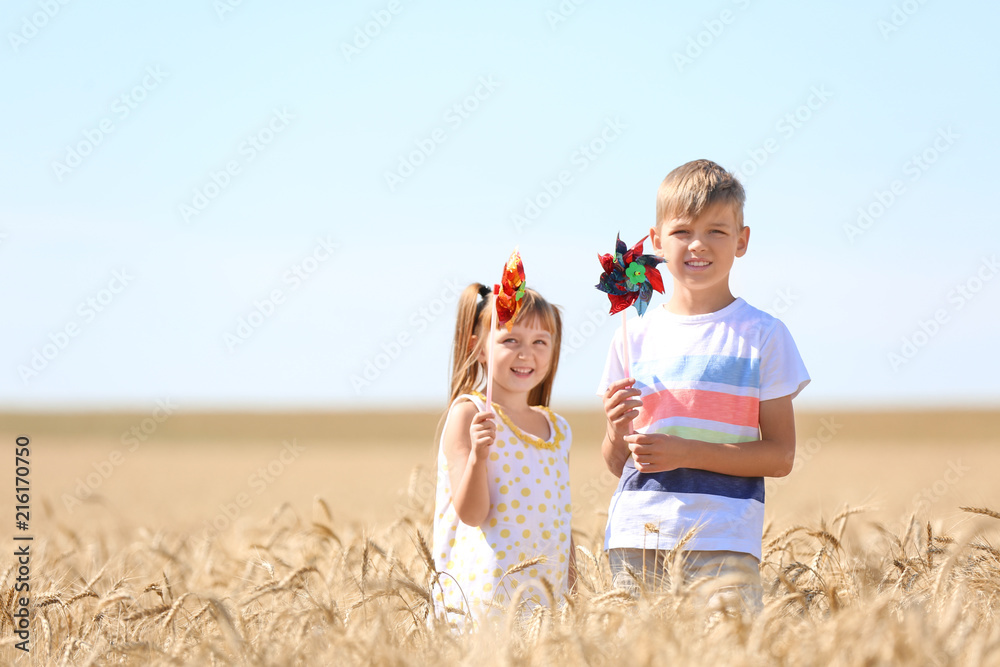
(689, 480)
(733, 371)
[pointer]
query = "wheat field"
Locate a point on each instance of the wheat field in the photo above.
(300, 539)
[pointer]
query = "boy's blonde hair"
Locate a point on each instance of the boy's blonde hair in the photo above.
(474, 308)
(692, 187)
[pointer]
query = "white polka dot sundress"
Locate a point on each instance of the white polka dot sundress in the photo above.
(529, 516)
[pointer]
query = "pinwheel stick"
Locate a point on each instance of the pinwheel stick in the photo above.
(489, 351)
(628, 369)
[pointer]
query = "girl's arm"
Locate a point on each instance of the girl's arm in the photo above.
(467, 441)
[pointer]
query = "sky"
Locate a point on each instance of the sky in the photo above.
(241, 205)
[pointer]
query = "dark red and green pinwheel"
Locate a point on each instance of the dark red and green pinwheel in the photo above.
(510, 294)
(630, 277)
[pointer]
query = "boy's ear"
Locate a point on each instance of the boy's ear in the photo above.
(742, 242)
(655, 240)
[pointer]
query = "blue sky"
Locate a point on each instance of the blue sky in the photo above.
(168, 171)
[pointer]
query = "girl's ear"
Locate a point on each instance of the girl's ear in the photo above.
(481, 357)
(472, 342)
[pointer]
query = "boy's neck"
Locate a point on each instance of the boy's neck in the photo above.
(687, 302)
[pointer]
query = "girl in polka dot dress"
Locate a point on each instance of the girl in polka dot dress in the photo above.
(502, 473)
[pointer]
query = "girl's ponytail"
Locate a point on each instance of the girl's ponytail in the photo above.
(467, 373)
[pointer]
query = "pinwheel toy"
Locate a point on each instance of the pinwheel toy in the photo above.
(629, 279)
(508, 297)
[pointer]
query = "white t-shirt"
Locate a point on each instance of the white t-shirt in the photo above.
(701, 377)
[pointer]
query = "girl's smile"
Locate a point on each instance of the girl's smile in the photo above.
(522, 358)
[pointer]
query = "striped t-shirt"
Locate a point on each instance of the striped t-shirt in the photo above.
(701, 377)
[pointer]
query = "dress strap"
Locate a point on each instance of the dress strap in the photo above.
(476, 400)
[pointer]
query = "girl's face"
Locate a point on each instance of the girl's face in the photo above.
(521, 357)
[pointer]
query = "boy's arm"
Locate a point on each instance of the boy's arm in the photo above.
(620, 408)
(771, 456)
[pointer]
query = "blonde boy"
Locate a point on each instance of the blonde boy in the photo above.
(710, 402)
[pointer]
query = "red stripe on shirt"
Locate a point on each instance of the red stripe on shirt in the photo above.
(699, 404)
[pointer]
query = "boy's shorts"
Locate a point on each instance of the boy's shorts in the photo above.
(717, 578)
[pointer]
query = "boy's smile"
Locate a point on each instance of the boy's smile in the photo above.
(700, 253)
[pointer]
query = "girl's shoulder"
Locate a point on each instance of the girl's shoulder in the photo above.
(467, 403)
(460, 414)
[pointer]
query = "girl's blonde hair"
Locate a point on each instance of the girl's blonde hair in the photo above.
(474, 309)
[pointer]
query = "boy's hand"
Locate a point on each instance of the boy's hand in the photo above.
(483, 432)
(657, 452)
(621, 406)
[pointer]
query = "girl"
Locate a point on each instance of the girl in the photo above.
(502, 471)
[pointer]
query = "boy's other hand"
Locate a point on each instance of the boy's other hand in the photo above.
(621, 405)
(656, 452)
(483, 432)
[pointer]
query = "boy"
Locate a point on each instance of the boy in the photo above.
(708, 412)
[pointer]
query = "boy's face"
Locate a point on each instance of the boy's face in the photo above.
(700, 252)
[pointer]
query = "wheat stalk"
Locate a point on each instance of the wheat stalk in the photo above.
(985, 511)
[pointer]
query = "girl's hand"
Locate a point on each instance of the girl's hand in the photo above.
(483, 432)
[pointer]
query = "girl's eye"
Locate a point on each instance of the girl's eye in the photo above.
(541, 341)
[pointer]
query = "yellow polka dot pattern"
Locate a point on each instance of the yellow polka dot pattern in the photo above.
(528, 487)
